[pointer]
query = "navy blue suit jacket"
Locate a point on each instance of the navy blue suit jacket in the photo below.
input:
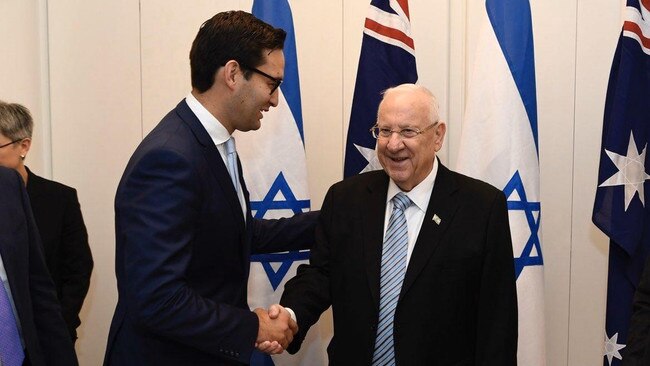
(182, 252)
(43, 330)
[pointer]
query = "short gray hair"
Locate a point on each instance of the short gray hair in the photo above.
(15, 121)
(434, 115)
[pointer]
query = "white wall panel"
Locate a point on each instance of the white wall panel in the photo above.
(96, 124)
(23, 72)
(598, 27)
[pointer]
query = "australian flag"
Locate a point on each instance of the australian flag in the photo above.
(620, 207)
(387, 59)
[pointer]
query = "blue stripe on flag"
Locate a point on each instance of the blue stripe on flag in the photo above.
(514, 29)
(278, 14)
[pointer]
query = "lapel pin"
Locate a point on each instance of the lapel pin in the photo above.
(436, 219)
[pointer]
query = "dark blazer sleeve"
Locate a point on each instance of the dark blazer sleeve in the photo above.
(496, 342)
(278, 235)
(76, 263)
(157, 207)
(55, 345)
(308, 293)
(637, 350)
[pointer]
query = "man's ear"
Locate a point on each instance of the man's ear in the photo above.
(231, 73)
(439, 135)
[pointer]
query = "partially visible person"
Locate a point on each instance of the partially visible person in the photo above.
(183, 224)
(415, 259)
(57, 213)
(32, 330)
(637, 349)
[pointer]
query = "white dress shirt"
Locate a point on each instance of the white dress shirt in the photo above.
(218, 134)
(420, 196)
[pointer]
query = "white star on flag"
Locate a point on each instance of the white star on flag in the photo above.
(612, 348)
(371, 156)
(631, 172)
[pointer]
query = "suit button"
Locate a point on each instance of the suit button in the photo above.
(373, 327)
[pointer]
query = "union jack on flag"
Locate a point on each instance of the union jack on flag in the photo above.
(387, 59)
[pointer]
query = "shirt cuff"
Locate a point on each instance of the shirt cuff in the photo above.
(292, 314)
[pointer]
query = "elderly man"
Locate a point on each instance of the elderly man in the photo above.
(415, 260)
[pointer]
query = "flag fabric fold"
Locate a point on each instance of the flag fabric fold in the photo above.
(620, 206)
(387, 59)
(499, 145)
(275, 170)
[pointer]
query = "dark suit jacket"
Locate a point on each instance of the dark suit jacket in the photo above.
(637, 350)
(43, 330)
(182, 255)
(65, 243)
(458, 302)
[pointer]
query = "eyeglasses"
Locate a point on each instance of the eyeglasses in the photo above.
(276, 81)
(11, 143)
(406, 133)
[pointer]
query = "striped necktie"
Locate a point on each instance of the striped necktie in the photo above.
(393, 268)
(11, 349)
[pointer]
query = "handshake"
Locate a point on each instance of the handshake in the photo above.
(276, 329)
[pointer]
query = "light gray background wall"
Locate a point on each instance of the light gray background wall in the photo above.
(98, 75)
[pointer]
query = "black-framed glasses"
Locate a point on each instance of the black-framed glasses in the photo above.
(406, 133)
(276, 81)
(11, 143)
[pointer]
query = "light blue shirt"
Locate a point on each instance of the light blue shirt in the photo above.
(5, 283)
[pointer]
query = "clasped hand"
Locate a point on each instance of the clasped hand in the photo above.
(276, 329)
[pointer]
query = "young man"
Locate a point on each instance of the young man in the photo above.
(184, 229)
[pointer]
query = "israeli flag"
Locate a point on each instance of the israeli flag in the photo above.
(275, 171)
(499, 145)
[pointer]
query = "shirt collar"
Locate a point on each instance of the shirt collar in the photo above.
(420, 194)
(216, 130)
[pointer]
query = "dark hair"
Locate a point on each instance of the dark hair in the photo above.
(15, 121)
(230, 35)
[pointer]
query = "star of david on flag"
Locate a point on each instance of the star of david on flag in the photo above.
(620, 206)
(515, 192)
(275, 169)
(499, 145)
(387, 59)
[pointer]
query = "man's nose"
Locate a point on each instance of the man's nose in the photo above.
(395, 141)
(275, 96)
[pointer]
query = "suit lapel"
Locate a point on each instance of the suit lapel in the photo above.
(444, 207)
(373, 226)
(215, 162)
